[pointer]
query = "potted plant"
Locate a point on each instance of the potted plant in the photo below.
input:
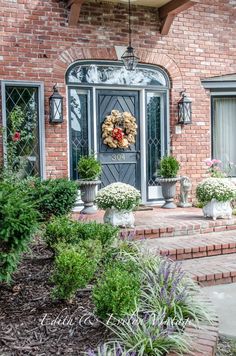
(216, 194)
(169, 167)
(89, 169)
(118, 200)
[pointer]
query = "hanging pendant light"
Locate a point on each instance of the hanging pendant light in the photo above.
(129, 58)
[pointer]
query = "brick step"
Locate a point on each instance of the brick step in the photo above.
(195, 246)
(179, 227)
(169, 223)
(214, 270)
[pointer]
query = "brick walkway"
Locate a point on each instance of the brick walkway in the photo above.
(212, 270)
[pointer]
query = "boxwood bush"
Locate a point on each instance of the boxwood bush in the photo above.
(74, 267)
(63, 229)
(117, 291)
(169, 167)
(17, 224)
(52, 196)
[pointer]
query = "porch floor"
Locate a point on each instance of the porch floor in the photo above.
(160, 222)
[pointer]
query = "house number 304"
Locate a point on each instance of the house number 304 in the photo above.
(118, 157)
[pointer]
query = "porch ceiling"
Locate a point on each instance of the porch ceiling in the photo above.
(168, 9)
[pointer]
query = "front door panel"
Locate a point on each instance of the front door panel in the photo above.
(118, 165)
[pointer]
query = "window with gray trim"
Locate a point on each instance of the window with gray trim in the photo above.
(223, 109)
(224, 131)
(22, 129)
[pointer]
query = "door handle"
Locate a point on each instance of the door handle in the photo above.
(137, 155)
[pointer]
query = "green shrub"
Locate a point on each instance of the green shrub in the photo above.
(118, 290)
(74, 267)
(169, 167)
(89, 168)
(63, 229)
(52, 196)
(116, 252)
(17, 224)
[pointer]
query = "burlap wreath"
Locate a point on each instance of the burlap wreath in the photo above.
(119, 130)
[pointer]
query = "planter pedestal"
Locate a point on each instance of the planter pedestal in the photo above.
(121, 218)
(217, 209)
(88, 195)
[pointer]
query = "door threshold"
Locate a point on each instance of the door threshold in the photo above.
(143, 208)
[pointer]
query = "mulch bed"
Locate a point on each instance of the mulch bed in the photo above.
(31, 323)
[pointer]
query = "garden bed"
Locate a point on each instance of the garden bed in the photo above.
(32, 324)
(25, 303)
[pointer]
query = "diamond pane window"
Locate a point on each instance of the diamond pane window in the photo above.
(79, 138)
(22, 130)
(154, 136)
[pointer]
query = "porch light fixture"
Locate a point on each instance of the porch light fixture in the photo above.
(56, 106)
(129, 58)
(184, 109)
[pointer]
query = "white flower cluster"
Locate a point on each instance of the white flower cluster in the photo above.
(118, 195)
(221, 189)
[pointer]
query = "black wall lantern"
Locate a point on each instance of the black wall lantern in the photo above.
(56, 106)
(129, 58)
(184, 110)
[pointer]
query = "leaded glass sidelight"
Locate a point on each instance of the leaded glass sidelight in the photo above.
(22, 130)
(79, 126)
(154, 141)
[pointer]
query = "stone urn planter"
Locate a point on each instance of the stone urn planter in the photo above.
(217, 209)
(89, 169)
(88, 195)
(169, 167)
(122, 218)
(168, 186)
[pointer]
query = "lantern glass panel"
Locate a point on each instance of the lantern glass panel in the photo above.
(57, 109)
(129, 59)
(185, 111)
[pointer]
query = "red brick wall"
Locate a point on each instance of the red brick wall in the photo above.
(37, 44)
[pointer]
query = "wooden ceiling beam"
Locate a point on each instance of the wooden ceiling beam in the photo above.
(75, 7)
(168, 12)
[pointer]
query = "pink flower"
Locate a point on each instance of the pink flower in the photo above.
(16, 136)
(208, 162)
(216, 161)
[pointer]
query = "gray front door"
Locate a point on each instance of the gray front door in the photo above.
(118, 165)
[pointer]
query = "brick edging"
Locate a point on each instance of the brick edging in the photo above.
(205, 340)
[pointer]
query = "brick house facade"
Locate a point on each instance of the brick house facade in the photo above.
(38, 45)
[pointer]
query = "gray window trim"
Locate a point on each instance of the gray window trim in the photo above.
(219, 84)
(40, 86)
